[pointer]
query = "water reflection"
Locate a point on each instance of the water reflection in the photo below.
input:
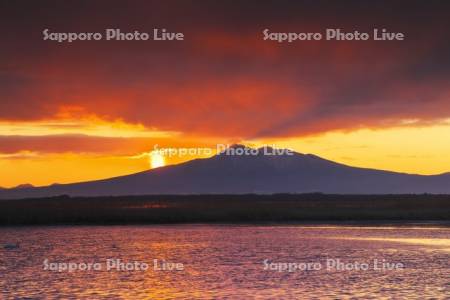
(439, 242)
(224, 262)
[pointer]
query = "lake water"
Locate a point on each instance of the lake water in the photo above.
(224, 262)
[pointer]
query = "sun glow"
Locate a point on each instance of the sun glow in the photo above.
(156, 160)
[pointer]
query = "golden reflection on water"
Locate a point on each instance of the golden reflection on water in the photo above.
(417, 241)
(426, 228)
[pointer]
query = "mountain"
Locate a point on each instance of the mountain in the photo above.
(259, 173)
(24, 186)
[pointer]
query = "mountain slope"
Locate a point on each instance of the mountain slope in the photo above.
(260, 173)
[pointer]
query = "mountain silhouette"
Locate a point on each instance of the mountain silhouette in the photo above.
(24, 186)
(260, 172)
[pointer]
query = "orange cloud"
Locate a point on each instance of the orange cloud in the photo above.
(222, 84)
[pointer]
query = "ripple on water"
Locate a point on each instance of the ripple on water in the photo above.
(225, 261)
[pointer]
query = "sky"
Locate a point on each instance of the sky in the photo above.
(87, 110)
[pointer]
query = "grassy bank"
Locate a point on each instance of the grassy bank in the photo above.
(224, 209)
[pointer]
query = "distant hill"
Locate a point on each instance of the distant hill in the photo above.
(239, 174)
(24, 186)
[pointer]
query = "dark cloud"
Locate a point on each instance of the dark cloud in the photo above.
(224, 80)
(10, 145)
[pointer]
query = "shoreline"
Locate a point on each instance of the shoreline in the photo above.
(366, 224)
(295, 209)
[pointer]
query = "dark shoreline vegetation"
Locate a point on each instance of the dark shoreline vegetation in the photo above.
(251, 208)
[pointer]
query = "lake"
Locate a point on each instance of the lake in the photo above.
(224, 261)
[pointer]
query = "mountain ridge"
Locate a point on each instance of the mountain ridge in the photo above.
(241, 174)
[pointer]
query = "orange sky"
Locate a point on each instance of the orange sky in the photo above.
(102, 150)
(91, 110)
